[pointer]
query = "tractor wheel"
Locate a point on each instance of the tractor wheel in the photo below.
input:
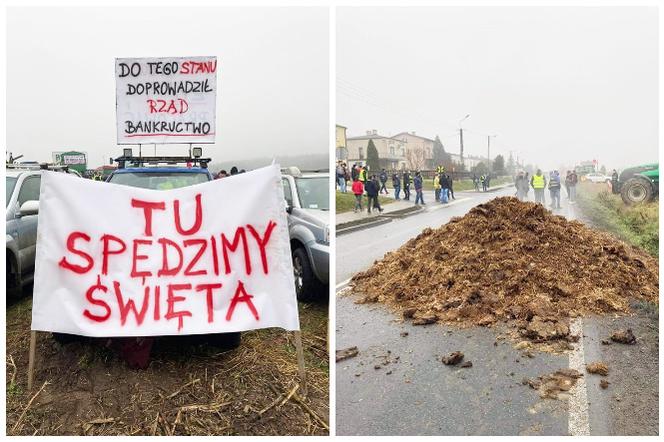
(636, 190)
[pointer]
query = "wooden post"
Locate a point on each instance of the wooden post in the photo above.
(31, 358)
(300, 361)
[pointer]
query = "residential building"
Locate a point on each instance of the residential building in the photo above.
(418, 146)
(391, 151)
(341, 150)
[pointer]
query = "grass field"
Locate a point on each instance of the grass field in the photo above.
(346, 201)
(85, 388)
(637, 225)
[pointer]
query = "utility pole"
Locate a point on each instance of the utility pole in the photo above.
(488, 151)
(461, 138)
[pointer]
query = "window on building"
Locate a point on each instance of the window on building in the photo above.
(392, 150)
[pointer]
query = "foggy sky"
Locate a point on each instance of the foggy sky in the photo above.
(272, 96)
(559, 85)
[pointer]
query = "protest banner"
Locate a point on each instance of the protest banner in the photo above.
(126, 261)
(166, 100)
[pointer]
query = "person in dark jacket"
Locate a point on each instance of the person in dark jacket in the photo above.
(383, 181)
(451, 187)
(406, 185)
(372, 194)
(419, 195)
(396, 183)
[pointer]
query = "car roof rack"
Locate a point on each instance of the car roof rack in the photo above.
(38, 166)
(141, 161)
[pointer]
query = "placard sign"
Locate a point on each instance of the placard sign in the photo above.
(166, 100)
(125, 261)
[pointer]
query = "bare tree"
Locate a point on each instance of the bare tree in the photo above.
(415, 158)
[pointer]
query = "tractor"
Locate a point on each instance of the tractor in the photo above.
(639, 184)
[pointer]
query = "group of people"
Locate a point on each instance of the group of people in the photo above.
(223, 174)
(538, 181)
(484, 180)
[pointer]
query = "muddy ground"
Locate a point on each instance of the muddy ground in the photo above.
(184, 391)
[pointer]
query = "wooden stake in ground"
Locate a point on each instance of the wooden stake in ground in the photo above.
(31, 358)
(300, 361)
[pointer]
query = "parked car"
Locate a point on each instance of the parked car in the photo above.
(23, 182)
(596, 177)
(308, 206)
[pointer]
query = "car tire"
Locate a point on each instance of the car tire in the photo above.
(636, 190)
(13, 287)
(307, 287)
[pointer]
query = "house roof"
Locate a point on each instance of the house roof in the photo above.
(413, 135)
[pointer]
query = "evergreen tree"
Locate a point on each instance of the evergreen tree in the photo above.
(498, 165)
(373, 160)
(439, 154)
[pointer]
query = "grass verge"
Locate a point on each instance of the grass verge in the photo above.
(637, 225)
(346, 201)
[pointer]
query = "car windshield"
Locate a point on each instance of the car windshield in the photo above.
(11, 182)
(159, 180)
(313, 192)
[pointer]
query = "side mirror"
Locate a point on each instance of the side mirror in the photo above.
(29, 208)
(288, 205)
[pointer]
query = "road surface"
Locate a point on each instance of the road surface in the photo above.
(398, 386)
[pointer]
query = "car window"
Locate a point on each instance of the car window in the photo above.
(29, 189)
(10, 184)
(288, 194)
(159, 180)
(314, 193)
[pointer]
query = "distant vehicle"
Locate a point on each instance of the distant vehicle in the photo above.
(23, 183)
(596, 177)
(639, 184)
(308, 206)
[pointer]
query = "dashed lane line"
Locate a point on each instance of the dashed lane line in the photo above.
(579, 422)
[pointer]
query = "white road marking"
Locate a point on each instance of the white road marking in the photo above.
(342, 284)
(579, 422)
(441, 205)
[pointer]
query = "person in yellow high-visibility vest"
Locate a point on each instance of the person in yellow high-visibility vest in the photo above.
(538, 182)
(436, 186)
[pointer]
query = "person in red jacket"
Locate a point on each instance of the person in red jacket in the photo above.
(358, 191)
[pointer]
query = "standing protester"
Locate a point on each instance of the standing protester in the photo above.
(444, 188)
(341, 177)
(521, 185)
(527, 185)
(554, 189)
(450, 186)
(372, 194)
(364, 174)
(614, 181)
(568, 180)
(574, 179)
(538, 182)
(483, 181)
(476, 183)
(355, 172)
(383, 180)
(406, 185)
(419, 196)
(436, 186)
(222, 174)
(358, 191)
(396, 183)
